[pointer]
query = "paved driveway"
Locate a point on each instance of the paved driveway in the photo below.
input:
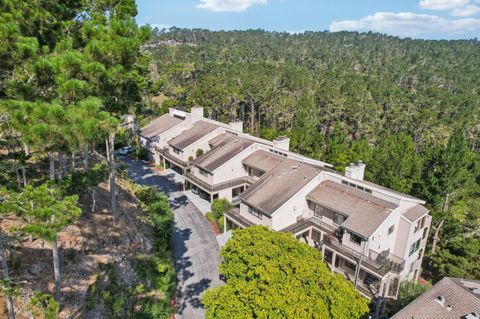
(195, 246)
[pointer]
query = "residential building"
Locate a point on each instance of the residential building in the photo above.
(372, 235)
(450, 298)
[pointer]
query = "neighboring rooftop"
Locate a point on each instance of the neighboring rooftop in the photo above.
(450, 298)
(365, 213)
(415, 212)
(278, 185)
(263, 160)
(198, 130)
(160, 125)
(225, 147)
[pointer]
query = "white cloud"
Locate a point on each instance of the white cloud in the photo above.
(466, 11)
(443, 4)
(459, 8)
(407, 24)
(228, 5)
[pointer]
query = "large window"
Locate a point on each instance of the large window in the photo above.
(255, 212)
(316, 235)
(414, 247)
(420, 223)
(338, 218)
(318, 211)
(176, 150)
(355, 239)
(203, 172)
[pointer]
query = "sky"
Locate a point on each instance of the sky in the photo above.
(420, 19)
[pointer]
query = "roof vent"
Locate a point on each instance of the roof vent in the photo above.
(449, 307)
(473, 315)
(441, 300)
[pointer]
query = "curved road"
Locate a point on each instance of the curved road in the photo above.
(195, 246)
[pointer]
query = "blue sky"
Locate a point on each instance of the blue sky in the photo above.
(427, 19)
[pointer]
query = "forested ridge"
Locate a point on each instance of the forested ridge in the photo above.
(410, 109)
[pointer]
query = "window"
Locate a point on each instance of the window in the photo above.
(338, 218)
(420, 223)
(176, 150)
(203, 172)
(355, 239)
(318, 211)
(414, 247)
(255, 212)
(425, 233)
(350, 265)
(316, 235)
(391, 229)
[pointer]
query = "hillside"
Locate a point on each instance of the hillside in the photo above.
(410, 109)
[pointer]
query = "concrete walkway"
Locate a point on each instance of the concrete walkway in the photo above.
(202, 204)
(195, 246)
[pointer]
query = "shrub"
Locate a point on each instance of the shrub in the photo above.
(141, 153)
(146, 194)
(44, 305)
(199, 152)
(219, 206)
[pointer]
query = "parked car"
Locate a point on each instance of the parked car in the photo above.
(126, 150)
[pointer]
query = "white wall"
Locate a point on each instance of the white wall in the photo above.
(233, 169)
(296, 206)
(201, 143)
(265, 221)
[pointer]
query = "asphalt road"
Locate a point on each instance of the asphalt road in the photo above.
(195, 246)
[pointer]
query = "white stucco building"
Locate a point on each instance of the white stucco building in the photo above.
(373, 235)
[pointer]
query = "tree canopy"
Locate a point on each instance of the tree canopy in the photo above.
(272, 275)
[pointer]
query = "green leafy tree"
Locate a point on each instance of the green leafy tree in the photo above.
(263, 281)
(219, 206)
(47, 214)
(395, 163)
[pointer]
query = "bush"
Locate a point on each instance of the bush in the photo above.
(199, 152)
(407, 292)
(44, 305)
(219, 206)
(141, 153)
(146, 194)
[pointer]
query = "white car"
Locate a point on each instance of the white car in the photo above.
(126, 150)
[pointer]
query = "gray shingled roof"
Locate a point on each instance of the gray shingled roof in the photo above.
(462, 295)
(263, 160)
(198, 130)
(226, 146)
(160, 125)
(278, 185)
(415, 212)
(365, 213)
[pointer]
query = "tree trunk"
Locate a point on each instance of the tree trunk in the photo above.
(6, 278)
(19, 180)
(85, 158)
(24, 176)
(436, 236)
(110, 142)
(61, 168)
(73, 162)
(52, 165)
(93, 200)
(56, 270)
(25, 149)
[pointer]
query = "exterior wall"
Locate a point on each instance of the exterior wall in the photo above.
(202, 143)
(295, 207)
(207, 179)
(265, 221)
(416, 258)
(233, 169)
(163, 138)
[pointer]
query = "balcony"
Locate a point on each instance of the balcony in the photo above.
(165, 153)
(216, 187)
(308, 222)
(234, 216)
(378, 263)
